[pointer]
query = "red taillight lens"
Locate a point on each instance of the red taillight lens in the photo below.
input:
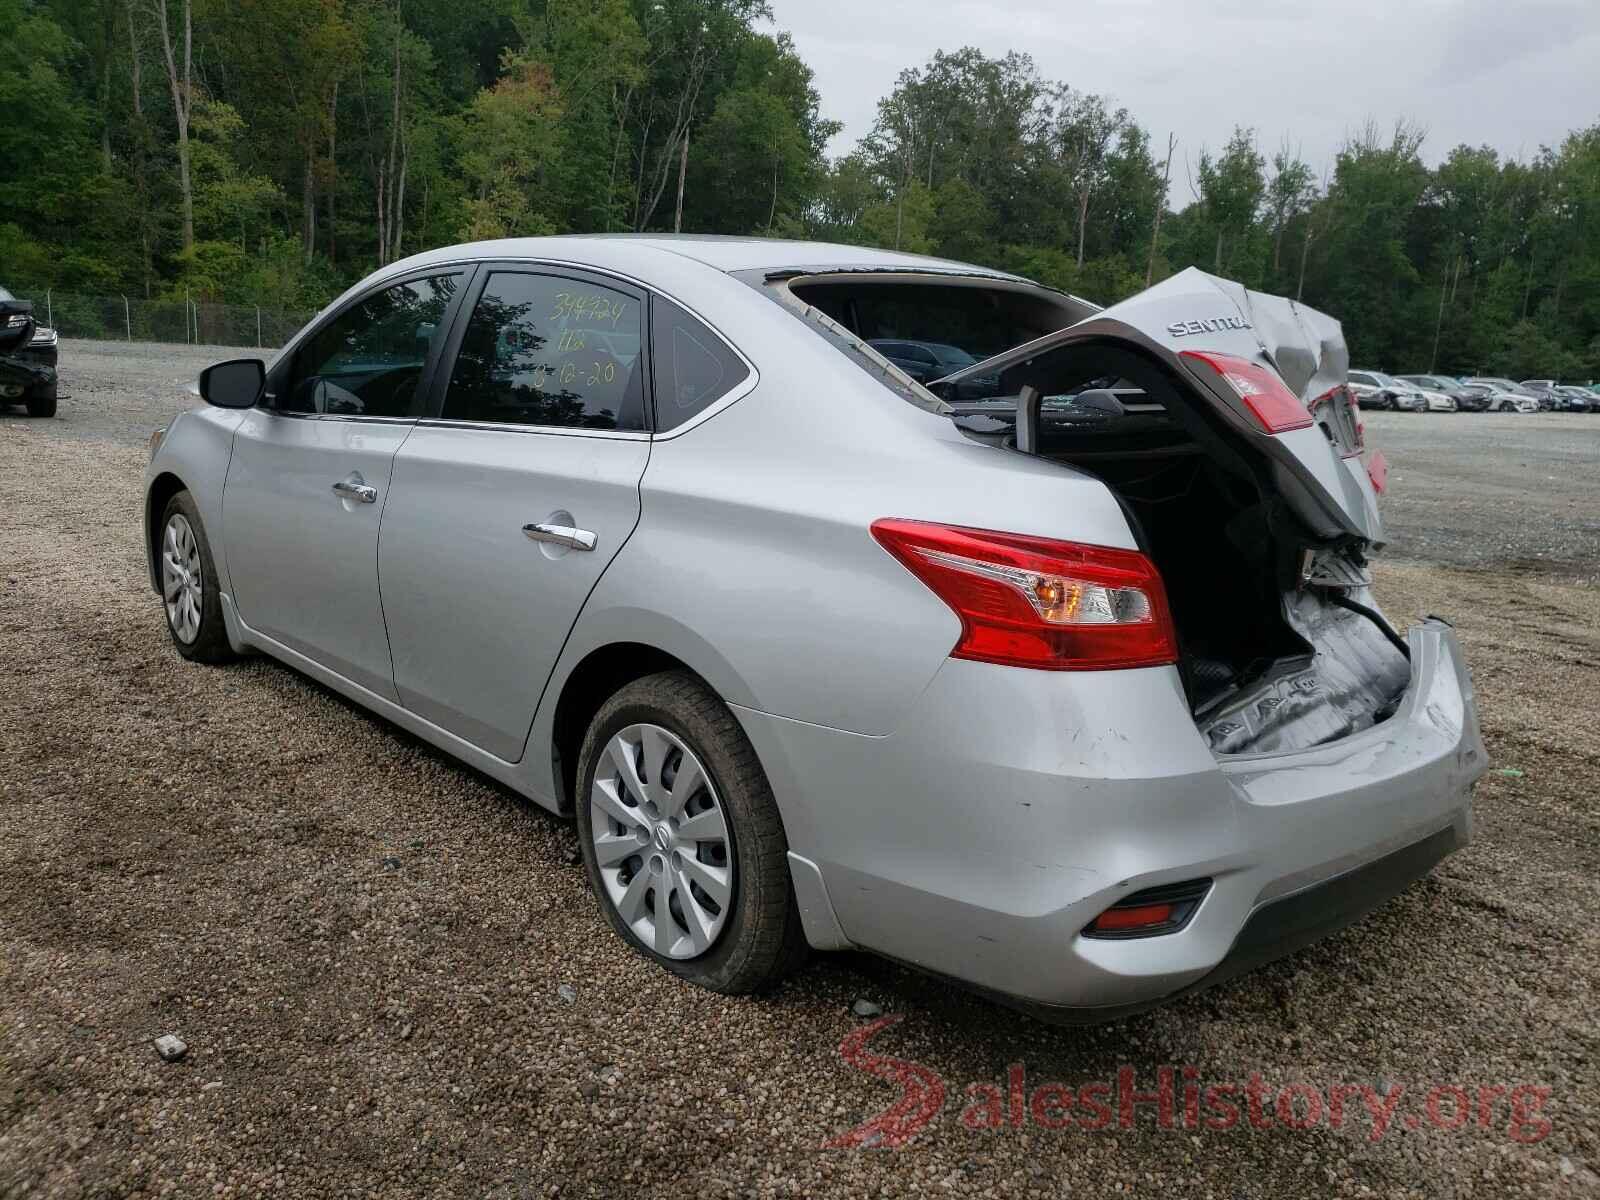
(1263, 391)
(1036, 602)
(1145, 916)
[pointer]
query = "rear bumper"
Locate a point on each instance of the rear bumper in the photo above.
(1292, 922)
(979, 839)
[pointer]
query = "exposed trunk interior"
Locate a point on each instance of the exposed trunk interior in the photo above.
(1281, 645)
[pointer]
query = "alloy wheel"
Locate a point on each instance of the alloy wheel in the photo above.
(661, 841)
(182, 582)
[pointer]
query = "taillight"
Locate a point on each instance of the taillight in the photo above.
(1262, 390)
(1036, 602)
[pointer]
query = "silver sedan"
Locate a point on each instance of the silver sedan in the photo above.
(1059, 676)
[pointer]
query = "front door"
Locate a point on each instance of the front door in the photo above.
(311, 470)
(506, 509)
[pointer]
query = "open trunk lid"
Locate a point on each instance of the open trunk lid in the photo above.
(1186, 323)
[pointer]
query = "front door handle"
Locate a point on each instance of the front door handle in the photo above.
(354, 489)
(562, 535)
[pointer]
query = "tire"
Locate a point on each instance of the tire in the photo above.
(757, 937)
(42, 403)
(195, 625)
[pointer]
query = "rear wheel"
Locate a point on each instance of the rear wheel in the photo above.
(42, 403)
(681, 836)
(189, 584)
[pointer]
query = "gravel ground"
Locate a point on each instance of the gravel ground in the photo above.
(366, 946)
(1497, 490)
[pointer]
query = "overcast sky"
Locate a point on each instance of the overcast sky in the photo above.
(1510, 73)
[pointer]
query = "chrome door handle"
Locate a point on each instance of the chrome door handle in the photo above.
(353, 489)
(562, 535)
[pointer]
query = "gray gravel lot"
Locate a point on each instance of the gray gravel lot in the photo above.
(362, 942)
(1517, 490)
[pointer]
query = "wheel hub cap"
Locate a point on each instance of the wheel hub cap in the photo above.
(182, 585)
(661, 842)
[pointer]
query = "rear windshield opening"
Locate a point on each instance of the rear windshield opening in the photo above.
(939, 324)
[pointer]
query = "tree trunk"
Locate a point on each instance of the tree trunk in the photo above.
(1438, 325)
(141, 186)
(698, 64)
(383, 231)
(1083, 220)
(108, 33)
(333, 168)
(397, 227)
(616, 151)
(772, 212)
(182, 105)
(308, 206)
(1219, 250)
(1161, 204)
(683, 169)
(1305, 253)
(387, 239)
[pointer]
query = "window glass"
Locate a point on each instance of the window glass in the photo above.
(694, 367)
(368, 361)
(546, 350)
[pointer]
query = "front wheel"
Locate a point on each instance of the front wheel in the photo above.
(42, 403)
(682, 839)
(189, 584)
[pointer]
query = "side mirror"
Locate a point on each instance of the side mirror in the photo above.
(236, 383)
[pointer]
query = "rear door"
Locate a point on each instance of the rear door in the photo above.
(1318, 476)
(310, 472)
(507, 505)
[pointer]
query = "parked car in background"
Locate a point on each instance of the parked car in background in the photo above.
(1578, 399)
(1508, 395)
(928, 361)
(1370, 395)
(1479, 397)
(28, 355)
(1450, 386)
(1396, 394)
(1031, 725)
(1545, 391)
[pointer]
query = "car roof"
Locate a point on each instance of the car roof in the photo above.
(721, 252)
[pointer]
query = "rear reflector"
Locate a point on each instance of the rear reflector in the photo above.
(1157, 910)
(1142, 917)
(1262, 390)
(1036, 602)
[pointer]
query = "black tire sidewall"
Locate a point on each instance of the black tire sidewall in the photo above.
(41, 403)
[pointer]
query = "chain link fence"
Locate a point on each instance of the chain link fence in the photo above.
(129, 318)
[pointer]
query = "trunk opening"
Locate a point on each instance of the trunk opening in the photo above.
(1274, 656)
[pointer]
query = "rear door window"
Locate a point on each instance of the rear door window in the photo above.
(694, 368)
(552, 351)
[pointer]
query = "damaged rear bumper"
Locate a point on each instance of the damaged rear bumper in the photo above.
(1043, 799)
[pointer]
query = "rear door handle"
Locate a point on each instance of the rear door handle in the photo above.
(354, 489)
(562, 535)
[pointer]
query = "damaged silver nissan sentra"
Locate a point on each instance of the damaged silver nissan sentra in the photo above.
(1060, 676)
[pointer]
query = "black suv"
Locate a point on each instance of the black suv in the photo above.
(27, 358)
